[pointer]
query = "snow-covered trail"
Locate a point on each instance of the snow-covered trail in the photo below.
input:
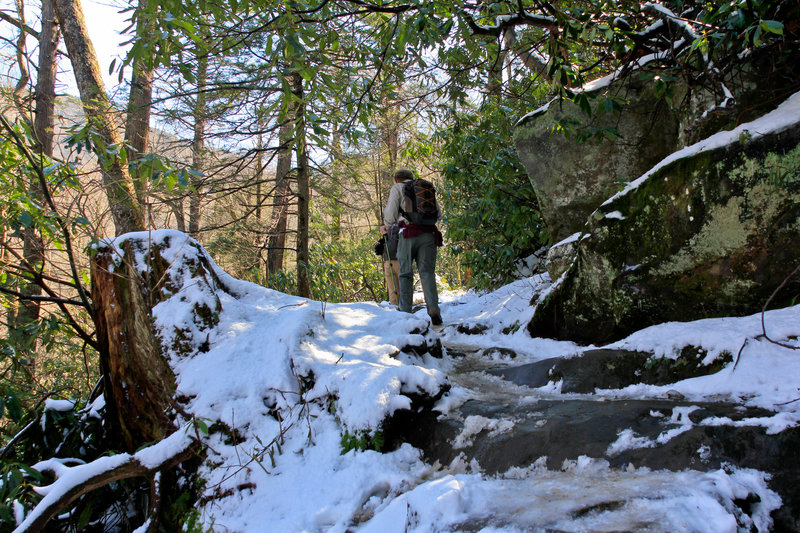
(585, 493)
(296, 380)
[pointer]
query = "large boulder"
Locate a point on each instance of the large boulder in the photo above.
(572, 178)
(713, 230)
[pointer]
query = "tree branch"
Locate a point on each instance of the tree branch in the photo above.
(21, 25)
(83, 479)
(505, 22)
(764, 310)
(534, 61)
(371, 8)
(36, 298)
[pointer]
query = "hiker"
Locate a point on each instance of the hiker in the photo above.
(387, 249)
(412, 206)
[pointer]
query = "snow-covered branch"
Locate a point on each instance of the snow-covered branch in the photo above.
(673, 20)
(74, 482)
(530, 58)
(504, 22)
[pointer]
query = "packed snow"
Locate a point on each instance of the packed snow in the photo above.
(286, 378)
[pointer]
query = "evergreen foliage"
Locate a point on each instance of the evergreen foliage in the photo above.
(40, 354)
(490, 210)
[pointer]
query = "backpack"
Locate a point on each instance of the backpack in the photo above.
(418, 204)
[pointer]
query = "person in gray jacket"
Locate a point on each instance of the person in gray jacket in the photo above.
(418, 244)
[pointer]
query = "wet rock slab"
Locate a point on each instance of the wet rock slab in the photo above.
(667, 434)
(509, 427)
(610, 369)
(567, 429)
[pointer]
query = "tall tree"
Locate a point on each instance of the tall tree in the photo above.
(125, 207)
(276, 230)
(45, 92)
(303, 188)
(140, 100)
(200, 116)
(33, 250)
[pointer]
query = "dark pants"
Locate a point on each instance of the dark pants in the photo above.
(421, 249)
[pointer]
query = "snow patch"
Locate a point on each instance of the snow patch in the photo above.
(475, 424)
(785, 116)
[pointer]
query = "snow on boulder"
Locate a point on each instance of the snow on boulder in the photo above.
(709, 231)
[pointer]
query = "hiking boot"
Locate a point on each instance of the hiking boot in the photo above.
(436, 319)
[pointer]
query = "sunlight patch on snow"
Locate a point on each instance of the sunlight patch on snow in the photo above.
(351, 316)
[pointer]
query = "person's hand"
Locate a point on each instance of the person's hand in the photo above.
(383, 229)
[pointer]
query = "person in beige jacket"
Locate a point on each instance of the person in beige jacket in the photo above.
(416, 244)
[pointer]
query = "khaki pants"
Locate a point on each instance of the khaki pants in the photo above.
(391, 272)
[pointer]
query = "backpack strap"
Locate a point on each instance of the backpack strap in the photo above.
(408, 187)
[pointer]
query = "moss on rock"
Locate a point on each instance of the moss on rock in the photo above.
(709, 235)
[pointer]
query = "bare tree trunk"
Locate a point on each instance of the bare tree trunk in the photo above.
(387, 161)
(125, 207)
(390, 134)
(43, 122)
(140, 103)
(276, 242)
(22, 58)
(303, 190)
(495, 81)
(336, 186)
(138, 380)
(259, 175)
(180, 216)
(198, 144)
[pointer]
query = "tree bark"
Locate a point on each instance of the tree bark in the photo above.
(140, 103)
(24, 77)
(276, 241)
(180, 217)
(198, 144)
(303, 190)
(390, 134)
(33, 252)
(44, 121)
(337, 209)
(494, 85)
(125, 208)
(258, 176)
(138, 381)
(387, 160)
